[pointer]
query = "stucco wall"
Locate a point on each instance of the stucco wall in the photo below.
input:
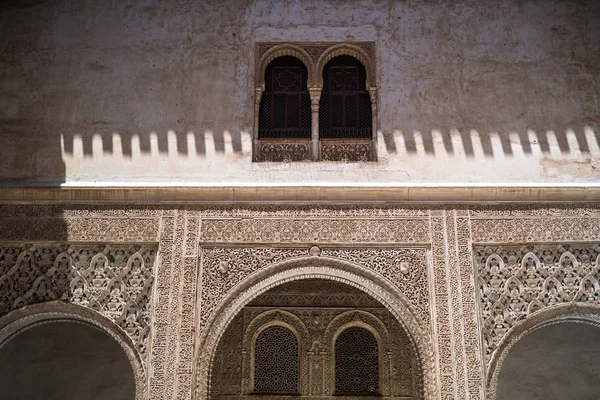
(145, 91)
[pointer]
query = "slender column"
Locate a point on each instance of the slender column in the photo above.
(315, 97)
(373, 95)
(255, 143)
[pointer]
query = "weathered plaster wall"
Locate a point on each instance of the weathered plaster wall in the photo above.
(112, 91)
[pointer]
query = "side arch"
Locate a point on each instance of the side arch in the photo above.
(313, 268)
(570, 312)
(28, 317)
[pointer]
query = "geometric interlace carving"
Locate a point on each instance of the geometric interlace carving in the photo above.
(113, 280)
(516, 282)
(276, 362)
(356, 362)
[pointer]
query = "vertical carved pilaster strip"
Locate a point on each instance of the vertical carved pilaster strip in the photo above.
(315, 97)
(441, 308)
(456, 304)
(187, 313)
(473, 349)
(158, 358)
(171, 381)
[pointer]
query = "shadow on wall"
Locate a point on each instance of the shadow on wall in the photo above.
(127, 144)
(472, 143)
(475, 142)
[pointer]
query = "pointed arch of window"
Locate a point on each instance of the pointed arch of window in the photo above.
(276, 361)
(356, 362)
(345, 110)
(284, 110)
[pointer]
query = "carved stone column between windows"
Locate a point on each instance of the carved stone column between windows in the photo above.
(258, 90)
(373, 95)
(323, 372)
(315, 96)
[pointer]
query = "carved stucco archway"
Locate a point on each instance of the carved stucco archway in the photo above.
(564, 313)
(313, 268)
(30, 316)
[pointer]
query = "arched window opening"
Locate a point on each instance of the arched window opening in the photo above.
(276, 361)
(284, 111)
(356, 362)
(345, 106)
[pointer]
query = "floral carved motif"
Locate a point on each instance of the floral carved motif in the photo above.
(284, 152)
(515, 283)
(348, 152)
(115, 281)
(288, 230)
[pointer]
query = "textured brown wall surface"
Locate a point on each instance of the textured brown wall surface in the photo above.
(468, 91)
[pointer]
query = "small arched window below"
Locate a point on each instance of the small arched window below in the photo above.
(345, 106)
(356, 363)
(276, 361)
(284, 111)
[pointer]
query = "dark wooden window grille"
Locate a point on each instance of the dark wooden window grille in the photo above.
(284, 110)
(276, 361)
(345, 106)
(356, 363)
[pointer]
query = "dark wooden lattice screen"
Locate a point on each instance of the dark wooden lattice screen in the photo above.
(276, 361)
(345, 106)
(356, 363)
(284, 110)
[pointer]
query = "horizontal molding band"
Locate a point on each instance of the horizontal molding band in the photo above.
(300, 194)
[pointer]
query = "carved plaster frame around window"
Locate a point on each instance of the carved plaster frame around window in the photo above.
(22, 319)
(260, 323)
(366, 320)
(564, 313)
(314, 56)
(313, 268)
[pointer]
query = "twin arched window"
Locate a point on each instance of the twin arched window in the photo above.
(344, 107)
(277, 362)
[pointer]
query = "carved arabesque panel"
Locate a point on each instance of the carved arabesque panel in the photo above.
(224, 267)
(516, 282)
(113, 280)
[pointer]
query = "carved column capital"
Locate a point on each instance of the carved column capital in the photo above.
(373, 95)
(315, 95)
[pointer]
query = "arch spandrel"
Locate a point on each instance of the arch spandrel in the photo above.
(569, 312)
(24, 318)
(312, 268)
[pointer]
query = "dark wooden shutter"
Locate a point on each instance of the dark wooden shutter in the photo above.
(345, 106)
(284, 111)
